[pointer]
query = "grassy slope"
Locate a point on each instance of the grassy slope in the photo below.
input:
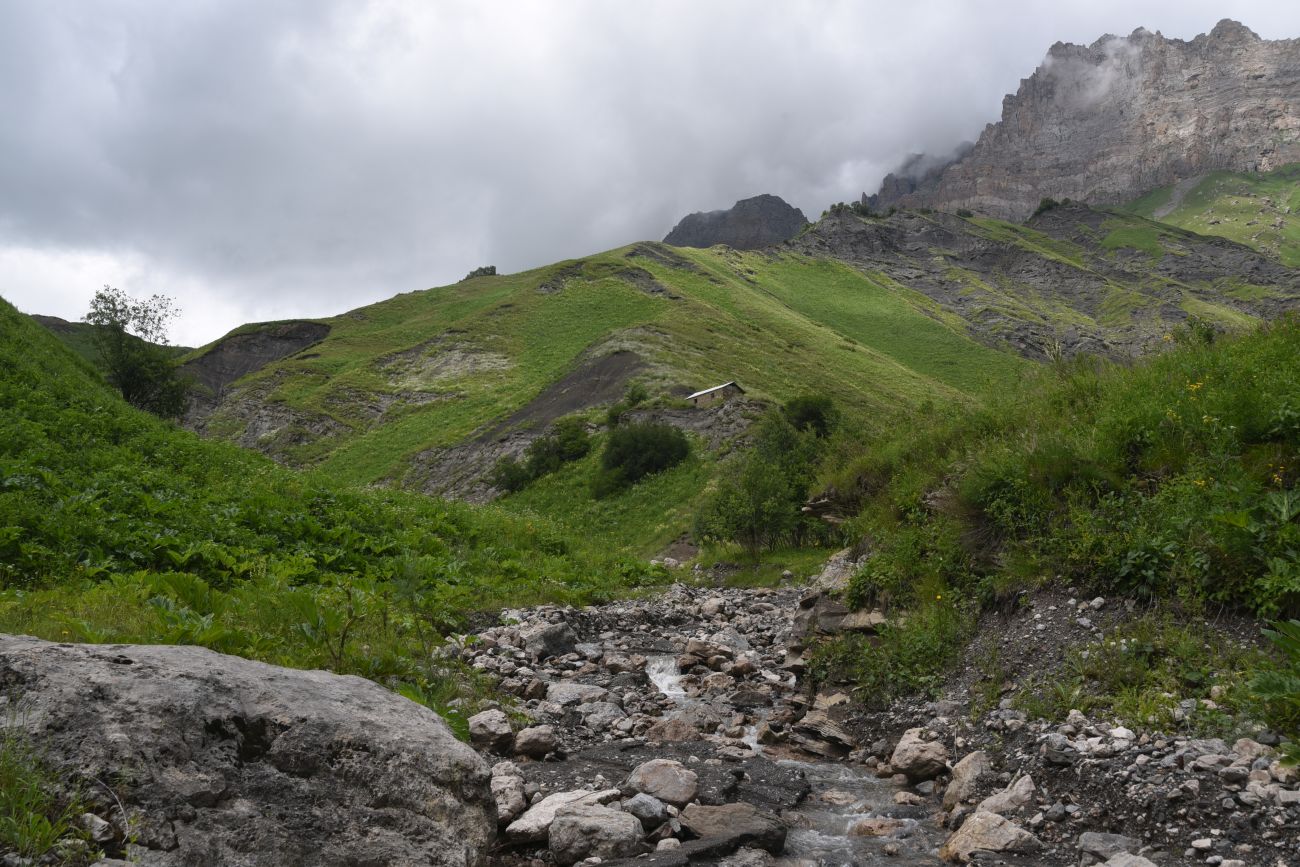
(115, 526)
(1259, 210)
(778, 325)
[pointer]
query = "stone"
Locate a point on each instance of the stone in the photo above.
(490, 730)
(600, 715)
(736, 825)
(535, 824)
(917, 758)
(1126, 859)
(668, 780)
(672, 731)
(991, 832)
(568, 693)
(1011, 799)
(875, 826)
(746, 857)
(750, 224)
(547, 640)
(100, 830)
(508, 791)
(649, 810)
(1104, 846)
(299, 767)
(582, 831)
(536, 741)
(966, 776)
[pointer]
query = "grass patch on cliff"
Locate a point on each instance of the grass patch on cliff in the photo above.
(38, 820)
(1260, 210)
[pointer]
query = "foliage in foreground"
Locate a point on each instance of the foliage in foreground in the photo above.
(1174, 480)
(37, 821)
(116, 526)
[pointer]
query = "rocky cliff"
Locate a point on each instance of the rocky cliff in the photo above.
(748, 225)
(1106, 122)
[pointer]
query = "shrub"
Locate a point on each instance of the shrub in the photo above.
(481, 271)
(35, 820)
(965, 213)
(131, 338)
(812, 412)
(635, 451)
(567, 442)
(1279, 689)
(1045, 205)
(636, 394)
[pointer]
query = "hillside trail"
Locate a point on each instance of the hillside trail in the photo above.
(704, 677)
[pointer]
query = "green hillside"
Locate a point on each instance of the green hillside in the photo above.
(1259, 210)
(455, 360)
(115, 526)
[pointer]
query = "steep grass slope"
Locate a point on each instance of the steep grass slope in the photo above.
(115, 526)
(1259, 210)
(429, 369)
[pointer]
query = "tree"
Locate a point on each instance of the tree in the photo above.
(812, 412)
(635, 451)
(131, 337)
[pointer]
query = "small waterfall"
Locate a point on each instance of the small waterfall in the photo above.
(667, 678)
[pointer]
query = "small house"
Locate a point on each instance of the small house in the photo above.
(717, 394)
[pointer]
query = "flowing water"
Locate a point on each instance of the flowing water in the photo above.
(842, 794)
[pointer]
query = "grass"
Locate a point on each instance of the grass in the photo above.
(37, 819)
(117, 527)
(1260, 210)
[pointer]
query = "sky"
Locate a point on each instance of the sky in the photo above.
(268, 159)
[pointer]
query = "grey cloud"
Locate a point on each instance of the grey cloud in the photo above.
(302, 158)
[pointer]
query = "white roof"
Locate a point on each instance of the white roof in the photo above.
(711, 390)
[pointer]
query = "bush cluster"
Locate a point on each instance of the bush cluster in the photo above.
(567, 442)
(635, 451)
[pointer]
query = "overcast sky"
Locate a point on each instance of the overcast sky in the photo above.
(265, 159)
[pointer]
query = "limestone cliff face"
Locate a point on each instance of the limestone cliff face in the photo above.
(1106, 122)
(748, 225)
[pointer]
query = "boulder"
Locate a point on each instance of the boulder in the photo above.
(323, 768)
(536, 741)
(508, 791)
(490, 730)
(917, 758)
(1014, 797)
(549, 639)
(1095, 846)
(876, 826)
(966, 775)
(736, 825)
(1126, 859)
(669, 781)
(600, 715)
(649, 810)
(567, 693)
(990, 832)
(673, 730)
(535, 824)
(585, 831)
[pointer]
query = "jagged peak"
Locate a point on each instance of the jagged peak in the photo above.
(1230, 29)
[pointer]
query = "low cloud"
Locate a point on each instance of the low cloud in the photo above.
(263, 159)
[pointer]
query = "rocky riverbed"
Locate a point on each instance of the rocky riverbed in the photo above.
(678, 729)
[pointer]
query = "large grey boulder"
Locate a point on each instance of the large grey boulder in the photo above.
(732, 826)
(668, 780)
(989, 832)
(918, 758)
(966, 776)
(549, 639)
(584, 831)
(225, 761)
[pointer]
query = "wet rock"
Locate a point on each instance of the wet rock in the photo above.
(583, 831)
(747, 857)
(819, 734)
(536, 741)
(736, 825)
(876, 826)
(917, 758)
(490, 730)
(669, 781)
(966, 776)
(990, 832)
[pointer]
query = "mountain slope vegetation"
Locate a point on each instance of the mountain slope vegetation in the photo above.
(1261, 210)
(116, 526)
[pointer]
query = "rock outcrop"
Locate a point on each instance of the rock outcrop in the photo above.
(220, 760)
(1106, 122)
(747, 225)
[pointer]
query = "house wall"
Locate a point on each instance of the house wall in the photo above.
(718, 396)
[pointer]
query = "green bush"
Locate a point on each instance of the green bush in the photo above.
(567, 442)
(635, 451)
(37, 821)
(1278, 689)
(636, 394)
(812, 412)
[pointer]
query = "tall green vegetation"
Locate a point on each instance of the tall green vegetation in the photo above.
(759, 505)
(38, 820)
(635, 451)
(116, 526)
(1279, 688)
(568, 441)
(130, 337)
